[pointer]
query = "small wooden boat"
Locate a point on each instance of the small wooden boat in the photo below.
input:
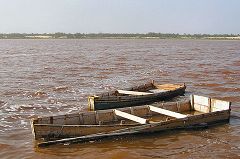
(94, 125)
(139, 95)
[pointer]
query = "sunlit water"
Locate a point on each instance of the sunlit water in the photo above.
(46, 77)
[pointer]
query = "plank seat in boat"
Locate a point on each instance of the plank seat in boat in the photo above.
(138, 95)
(157, 90)
(133, 92)
(83, 126)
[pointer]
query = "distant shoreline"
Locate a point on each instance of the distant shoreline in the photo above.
(119, 36)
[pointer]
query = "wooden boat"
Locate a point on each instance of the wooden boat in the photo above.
(93, 125)
(139, 95)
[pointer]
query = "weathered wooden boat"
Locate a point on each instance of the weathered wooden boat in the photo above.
(94, 125)
(139, 95)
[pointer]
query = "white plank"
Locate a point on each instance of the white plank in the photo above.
(166, 112)
(133, 92)
(217, 105)
(158, 90)
(192, 102)
(201, 100)
(201, 108)
(131, 117)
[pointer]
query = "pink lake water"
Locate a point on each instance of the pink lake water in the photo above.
(51, 77)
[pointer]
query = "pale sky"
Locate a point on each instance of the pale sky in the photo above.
(120, 16)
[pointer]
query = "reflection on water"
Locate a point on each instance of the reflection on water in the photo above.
(45, 77)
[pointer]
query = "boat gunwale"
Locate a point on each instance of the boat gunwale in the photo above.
(137, 124)
(108, 95)
(217, 112)
(112, 99)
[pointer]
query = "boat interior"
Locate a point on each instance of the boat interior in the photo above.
(146, 89)
(139, 114)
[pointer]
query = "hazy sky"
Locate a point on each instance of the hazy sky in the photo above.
(120, 16)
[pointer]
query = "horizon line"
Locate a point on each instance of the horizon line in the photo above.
(125, 33)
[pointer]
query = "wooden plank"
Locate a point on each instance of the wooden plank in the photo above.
(158, 90)
(159, 126)
(105, 116)
(87, 137)
(218, 105)
(183, 106)
(201, 108)
(167, 112)
(133, 92)
(168, 86)
(201, 103)
(140, 111)
(131, 117)
(201, 100)
(79, 130)
(192, 101)
(89, 118)
(63, 131)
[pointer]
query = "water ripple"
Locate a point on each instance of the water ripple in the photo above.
(46, 77)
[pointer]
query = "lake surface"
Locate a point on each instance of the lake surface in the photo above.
(51, 77)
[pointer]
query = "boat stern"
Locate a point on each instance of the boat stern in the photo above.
(32, 122)
(211, 105)
(91, 103)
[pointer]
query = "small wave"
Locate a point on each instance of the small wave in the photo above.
(22, 107)
(2, 103)
(61, 88)
(57, 101)
(191, 75)
(24, 122)
(227, 72)
(224, 89)
(235, 115)
(3, 146)
(234, 99)
(38, 94)
(207, 84)
(11, 108)
(204, 65)
(52, 101)
(26, 107)
(12, 93)
(105, 73)
(236, 63)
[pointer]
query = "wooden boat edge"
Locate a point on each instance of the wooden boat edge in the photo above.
(221, 115)
(97, 102)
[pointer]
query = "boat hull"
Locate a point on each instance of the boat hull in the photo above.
(84, 126)
(112, 101)
(103, 121)
(209, 118)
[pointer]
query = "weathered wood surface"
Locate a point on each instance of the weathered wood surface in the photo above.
(218, 105)
(135, 96)
(167, 86)
(167, 112)
(85, 123)
(153, 127)
(202, 104)
(133, 92)
(86, 138)
(105, 121)
(50, 131)
(206, 104)
(131, 117)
